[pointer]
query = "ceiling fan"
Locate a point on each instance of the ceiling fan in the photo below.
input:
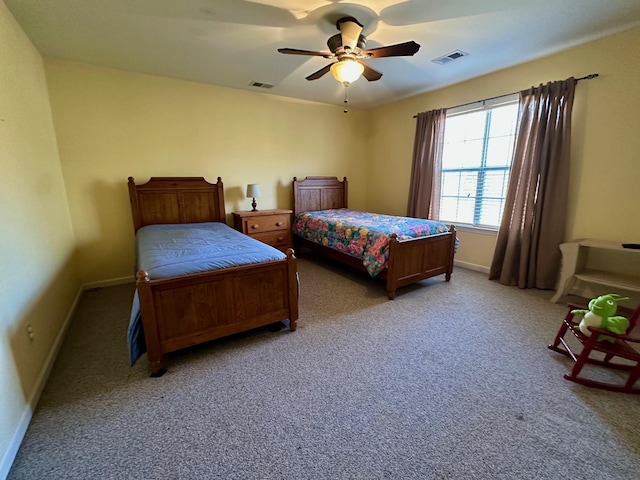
(348, 48)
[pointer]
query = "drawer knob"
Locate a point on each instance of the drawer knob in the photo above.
(278, 224)
(280, 239)
(255, 226)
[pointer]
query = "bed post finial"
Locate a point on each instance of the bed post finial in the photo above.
(142, 276)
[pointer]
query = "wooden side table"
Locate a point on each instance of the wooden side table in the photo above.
(272, 227)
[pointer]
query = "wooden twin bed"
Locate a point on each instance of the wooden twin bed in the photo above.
(409, 260)
(185, 310)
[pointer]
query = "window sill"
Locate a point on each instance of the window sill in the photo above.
(472, 229)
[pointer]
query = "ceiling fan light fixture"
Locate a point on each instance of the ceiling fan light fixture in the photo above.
(347, 70)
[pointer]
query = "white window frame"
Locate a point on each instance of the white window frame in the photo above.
(484, 105)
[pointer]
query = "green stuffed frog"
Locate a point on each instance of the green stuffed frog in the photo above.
(602, 314)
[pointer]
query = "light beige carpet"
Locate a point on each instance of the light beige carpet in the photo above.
(448, 381)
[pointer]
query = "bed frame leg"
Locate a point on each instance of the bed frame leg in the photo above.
(294, 289)
(157, 370)
(452, 251)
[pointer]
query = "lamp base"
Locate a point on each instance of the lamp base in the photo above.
(254, 205)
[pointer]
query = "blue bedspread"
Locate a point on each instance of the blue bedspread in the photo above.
(170, 250)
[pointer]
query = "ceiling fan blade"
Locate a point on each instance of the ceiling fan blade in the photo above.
(369, 73)
(398, 50)
(319, 73)
(295, 51)
(350, 30)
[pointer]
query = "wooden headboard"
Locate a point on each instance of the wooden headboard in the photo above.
(176, 200)
(318, 193)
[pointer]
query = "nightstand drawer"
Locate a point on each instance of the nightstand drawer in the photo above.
(272, 227)
(265, 223)
(278, 239)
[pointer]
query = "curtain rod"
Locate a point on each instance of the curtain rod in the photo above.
(586, 77)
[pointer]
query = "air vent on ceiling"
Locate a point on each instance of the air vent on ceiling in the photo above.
(450, 57)
(260, 85)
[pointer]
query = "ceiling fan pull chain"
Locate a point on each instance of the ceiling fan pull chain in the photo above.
(346, 100)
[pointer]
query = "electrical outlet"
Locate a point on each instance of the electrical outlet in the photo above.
(30, 334)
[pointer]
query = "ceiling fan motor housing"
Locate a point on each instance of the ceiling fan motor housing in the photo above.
(335, 42)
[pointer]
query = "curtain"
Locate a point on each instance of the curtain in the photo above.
(424, 189)
(527, 251)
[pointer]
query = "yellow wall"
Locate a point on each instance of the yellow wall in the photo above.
(605, 163)
(37, 279)
(113, 124)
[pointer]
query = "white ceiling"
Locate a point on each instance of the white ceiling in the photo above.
(233, 43)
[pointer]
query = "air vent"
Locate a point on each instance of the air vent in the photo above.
(260, 85)
(450, 57)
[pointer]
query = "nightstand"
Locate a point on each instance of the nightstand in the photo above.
(272, 227)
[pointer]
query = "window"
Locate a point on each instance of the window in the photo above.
(476, 157)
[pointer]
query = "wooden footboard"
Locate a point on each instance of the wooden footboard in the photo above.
(182, 311)
(409, 261)
(417, 259)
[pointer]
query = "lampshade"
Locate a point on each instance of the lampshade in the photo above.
(253, 190)
(347, 70)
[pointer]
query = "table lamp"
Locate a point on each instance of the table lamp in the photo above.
(253, 191)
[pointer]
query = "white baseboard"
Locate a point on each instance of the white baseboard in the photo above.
(14, 444)
(21, 429)
(109, 283)
(10, 453)
(471, 266)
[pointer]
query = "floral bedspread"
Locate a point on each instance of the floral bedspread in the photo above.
(360, 234)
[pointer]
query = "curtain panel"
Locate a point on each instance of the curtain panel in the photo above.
(424, 188)
(527, 250)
